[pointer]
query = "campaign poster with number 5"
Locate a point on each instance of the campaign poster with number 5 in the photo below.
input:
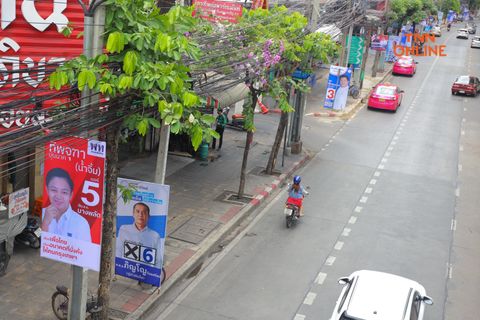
(73, 201)
(141, 228)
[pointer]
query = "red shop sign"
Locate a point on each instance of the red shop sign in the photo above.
(31, 41)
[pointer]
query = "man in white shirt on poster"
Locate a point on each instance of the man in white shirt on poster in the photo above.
(139, 233)
(59, 218)
(341, 94)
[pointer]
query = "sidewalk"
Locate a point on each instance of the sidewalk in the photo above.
(199, 216)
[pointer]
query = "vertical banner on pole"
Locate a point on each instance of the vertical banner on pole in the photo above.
(141, 229)
(337, 88)
(73, 201)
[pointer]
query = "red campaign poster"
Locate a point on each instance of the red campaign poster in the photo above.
(73, 183)
(213, 10)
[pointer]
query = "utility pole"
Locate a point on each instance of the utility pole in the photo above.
(94, 20)
(161, 165)
(377, 56)
(349, 44)
(365, 57)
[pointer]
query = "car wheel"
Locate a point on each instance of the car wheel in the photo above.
(453, 93)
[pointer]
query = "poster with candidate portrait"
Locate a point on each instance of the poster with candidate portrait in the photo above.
(379, 42)
(393, 41)
(337, 88)
(141, 229)
(72, 206)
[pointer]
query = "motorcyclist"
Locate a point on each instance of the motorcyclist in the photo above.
(296, 193)
(449, 26)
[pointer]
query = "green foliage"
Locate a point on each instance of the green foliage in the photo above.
(149, 47)
(411, 10)
(446, 5)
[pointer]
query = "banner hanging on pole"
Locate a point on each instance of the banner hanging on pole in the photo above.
(72, 211)
(141, 229)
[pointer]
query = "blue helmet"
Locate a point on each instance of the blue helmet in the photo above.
(297, 179)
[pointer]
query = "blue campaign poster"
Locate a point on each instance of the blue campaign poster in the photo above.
(141, 228)
(337, 88)
(392, 42)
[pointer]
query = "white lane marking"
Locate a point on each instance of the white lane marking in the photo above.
(457, 192)
(364, 199)
(368, 190)
(388, 154)
(358, 209)
(461, 148)
(330, 141)
(309, 298)
(338, 245)
(402, 124)
(460, 167)
(464, 109)
(352, 220)
(299, 317)
(381, 166)
(395, 137)
(320, 278)
(464, 120)
(453, 225)
(323, 149)
(346, 232)
(465, 100)
(268, 189)
(449, 270)
(376, 174)
(393, 143)
(463, 132)
(384, 160)
(330, 261)
(327, 144)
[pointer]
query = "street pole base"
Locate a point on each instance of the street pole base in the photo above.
(296, 147)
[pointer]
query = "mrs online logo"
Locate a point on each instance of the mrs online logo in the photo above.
(429, 46)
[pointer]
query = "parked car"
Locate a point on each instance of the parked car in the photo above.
(405, 65)
(462, 34)
(373, 295)
(475, 42)
(385, 96)
(469, 85)
(471, 28)
(436, 31)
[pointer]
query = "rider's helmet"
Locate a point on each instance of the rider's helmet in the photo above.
(297, 179)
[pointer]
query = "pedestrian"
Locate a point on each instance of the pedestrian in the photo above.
(221, 123)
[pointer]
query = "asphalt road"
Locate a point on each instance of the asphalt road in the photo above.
(386, 194)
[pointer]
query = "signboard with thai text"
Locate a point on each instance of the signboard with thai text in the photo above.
(31, 44)
(215, 11)
(18, 202)
(73, 201)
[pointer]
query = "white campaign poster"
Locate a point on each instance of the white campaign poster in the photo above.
(18, 202)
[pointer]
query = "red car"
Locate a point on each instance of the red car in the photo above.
(405, 65)
(385, 96)
(466, 85)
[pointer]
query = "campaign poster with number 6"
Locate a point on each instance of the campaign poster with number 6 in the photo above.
(141, 228)
(73, 201)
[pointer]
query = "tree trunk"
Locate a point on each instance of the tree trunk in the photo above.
(248, 142)
(282, 124)
(109, 214)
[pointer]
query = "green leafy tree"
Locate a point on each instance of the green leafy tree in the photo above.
(446, 5)
(142, 67)
(411, 10)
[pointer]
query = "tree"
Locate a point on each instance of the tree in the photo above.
(447, 5)
(411, 10)
(142, 67)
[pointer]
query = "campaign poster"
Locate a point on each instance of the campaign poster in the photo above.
(72, 210)
(18, 202)
(389, 53)
(141, 229)
(337, 88)
(379, 42)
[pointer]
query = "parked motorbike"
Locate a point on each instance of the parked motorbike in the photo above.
(9, 228)
(237, 121)
(448, 28)
(30, 236)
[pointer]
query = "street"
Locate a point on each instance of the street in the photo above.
(385, 195)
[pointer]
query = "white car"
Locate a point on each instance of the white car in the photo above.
(462, 33)
(475, 42)
(436, 31)
(373, 295)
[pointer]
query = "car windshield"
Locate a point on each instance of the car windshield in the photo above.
(405, 61)
(385, 91)
(463, 80)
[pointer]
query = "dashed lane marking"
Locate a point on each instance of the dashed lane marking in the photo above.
(299, 317)
(381, 166)
(453, 225)
(461, 148)
(338, 245)
(376, 174)
(320, 278)
(346, 232)
(460, 167)
(368, 190)
(352, 220)
(358, 209)
(364, 199)
(330, 261)
(309, 298)
(457, 192)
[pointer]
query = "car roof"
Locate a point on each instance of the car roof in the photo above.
(379, 295)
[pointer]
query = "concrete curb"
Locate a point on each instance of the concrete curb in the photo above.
(196, 259)
(360, 101)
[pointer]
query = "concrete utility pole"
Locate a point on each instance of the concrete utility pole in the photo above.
(162, 154)
(92, 45)
(365, 57)
(377, 56)
(349, 44)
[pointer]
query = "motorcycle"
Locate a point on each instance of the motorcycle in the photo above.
(291, 212)
(237, 121)
(30, 236)
(448, 28)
